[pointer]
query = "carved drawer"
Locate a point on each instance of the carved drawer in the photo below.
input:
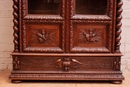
(33, 63)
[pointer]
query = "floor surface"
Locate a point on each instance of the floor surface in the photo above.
(6, 82)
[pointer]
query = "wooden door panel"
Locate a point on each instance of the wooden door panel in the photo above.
(90, 37)
(43, 37)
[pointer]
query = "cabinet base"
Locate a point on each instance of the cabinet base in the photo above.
(114, 78)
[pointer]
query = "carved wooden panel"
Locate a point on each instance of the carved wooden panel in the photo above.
(16, 63)
(66, 63)
(37, 63)
(90, 37)
(43, 37)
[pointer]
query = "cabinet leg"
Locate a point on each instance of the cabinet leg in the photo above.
(117, 82)
(16, 81)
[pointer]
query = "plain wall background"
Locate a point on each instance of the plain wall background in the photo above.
(6, 35)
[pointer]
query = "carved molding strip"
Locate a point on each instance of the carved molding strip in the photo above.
(72, 8)
(101, 49)
(92, 17)
(63, 8)
(110, 13)
(34, 17)
(44, 21)
(24, 7)
(88, 21)
(85, 72)
(16, 24)
(67, 25)
(65, 76)
(118, 25)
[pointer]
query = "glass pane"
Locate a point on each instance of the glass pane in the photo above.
(98, 7)
(44, 6)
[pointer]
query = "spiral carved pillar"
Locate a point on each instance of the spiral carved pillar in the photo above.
(15, 27)
(118, 25)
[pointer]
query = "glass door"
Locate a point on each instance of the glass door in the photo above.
(44, 7)
(91, 25)
(97, 7)
(43, 25)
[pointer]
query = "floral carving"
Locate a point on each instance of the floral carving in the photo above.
(43, 36)
(90, 36)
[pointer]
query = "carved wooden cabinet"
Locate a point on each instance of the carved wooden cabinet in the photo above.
(67, 40)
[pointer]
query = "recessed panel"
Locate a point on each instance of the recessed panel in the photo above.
(95, 7)
(43, 37)
(44, 6)
(90, 37)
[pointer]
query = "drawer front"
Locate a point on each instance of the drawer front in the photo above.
(34, 63)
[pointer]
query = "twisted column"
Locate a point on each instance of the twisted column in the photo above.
(118, 24)
(16, 23)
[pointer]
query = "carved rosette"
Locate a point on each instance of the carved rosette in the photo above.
(118, 25)
(16, 23)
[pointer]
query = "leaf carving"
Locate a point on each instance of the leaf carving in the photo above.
(90, 36)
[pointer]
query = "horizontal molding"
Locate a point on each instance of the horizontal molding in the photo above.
(67, 54)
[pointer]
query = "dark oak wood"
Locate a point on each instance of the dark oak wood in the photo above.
(67, 40)
(16, 81)
(116, 82)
